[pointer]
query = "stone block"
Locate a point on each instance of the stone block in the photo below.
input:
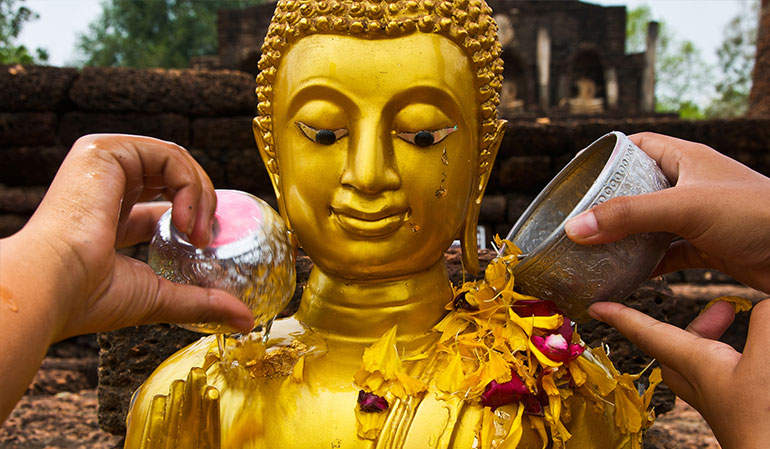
(11, 223)
(517, 204)
(534, 139)
(212, 164)
(34, 88)
(245, 171)
(222, 133)
(27, 129)
(523, 174)
(171, 127)
(192, 92)
(20, 200)
(493, 210)
(30, 166)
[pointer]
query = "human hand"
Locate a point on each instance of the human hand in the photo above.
(720, 207)
(90, 209)
(730, 390)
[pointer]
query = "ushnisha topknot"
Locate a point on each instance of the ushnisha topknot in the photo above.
(467, 23)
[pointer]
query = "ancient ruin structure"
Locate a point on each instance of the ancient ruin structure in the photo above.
(562, 58)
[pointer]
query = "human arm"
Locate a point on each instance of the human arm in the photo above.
(61, 276)
(722, 210)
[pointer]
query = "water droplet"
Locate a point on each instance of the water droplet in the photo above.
(441, 192)
(444, 157)
(7, 300)
(415, 227)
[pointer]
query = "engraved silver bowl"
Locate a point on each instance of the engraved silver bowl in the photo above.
(249, 256)
(574, 276)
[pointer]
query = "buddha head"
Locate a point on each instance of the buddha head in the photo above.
(378, 126)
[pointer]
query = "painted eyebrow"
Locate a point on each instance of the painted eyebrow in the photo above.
(316, 91)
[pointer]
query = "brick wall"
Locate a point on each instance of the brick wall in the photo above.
(43, 110)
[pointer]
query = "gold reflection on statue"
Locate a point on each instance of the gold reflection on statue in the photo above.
(378, 124)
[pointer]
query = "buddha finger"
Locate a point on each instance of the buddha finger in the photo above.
(174, 408)
(210, 427)
(153, 434)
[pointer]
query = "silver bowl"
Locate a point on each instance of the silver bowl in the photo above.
(249, 256)
(574, 276)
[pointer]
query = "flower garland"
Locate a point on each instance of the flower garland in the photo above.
(497, 347)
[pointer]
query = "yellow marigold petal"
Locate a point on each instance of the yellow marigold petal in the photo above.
(628, 412)
(516, 337)
(739, 304)
(496, 274)
(515, 432)
(368, 425)
(450, 380)
(410, 385)
(298, 372)
(383, 356)
(655, 378)
(541, 322)
(538, 424)
(486, 430)
(596, 374)
(373, 382)
(451, 326)
(497, 368)
(578, 375)
(549, 386)
(542, 358)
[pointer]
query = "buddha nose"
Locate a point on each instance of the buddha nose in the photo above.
(370, 166)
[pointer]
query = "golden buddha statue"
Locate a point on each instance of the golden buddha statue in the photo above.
(378, 125)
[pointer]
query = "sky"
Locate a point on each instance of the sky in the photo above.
(700, 21)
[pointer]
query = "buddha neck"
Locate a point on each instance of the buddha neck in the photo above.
(365, 310)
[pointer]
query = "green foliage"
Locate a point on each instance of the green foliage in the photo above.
(680, 71)
(12, 19)
(736, 58)
(684, 82)
(153, 33)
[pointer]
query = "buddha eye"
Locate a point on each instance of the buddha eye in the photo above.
(427, 138)
(322, 136)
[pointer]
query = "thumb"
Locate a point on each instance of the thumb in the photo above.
(662, 211)
(136, 295)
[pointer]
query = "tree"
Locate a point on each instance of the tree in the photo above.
(153, 33)
(12, 19)
(736, 58)
(680, 71)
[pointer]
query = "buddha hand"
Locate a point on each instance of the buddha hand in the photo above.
(186, 418)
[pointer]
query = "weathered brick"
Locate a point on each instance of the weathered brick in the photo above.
(27, 129)
(20, 200)
(524, 174)
(30, 166)
(193, 92)
(223, 133)
(171, 127)
(34, 88)
(11, 223)
(245, 171)
(493, 209)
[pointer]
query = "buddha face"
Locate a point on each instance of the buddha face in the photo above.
(377, 149)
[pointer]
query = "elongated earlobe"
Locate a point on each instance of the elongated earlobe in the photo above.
(263, 137)
(468, 241)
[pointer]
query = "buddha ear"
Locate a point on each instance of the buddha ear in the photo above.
(468, 241)
(266, 148)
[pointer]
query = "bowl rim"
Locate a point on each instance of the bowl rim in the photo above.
(621, 143)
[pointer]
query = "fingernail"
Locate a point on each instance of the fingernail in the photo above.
(244, 325)
(584, 225)
(592, 313)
